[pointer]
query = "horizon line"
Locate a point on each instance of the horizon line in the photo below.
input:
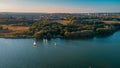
(60, 12)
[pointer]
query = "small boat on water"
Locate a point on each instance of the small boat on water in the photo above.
(45, 40)
(55, 43)
(34, 43)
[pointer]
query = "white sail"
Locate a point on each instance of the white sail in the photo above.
(34, 43)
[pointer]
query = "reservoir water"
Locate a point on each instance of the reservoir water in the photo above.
(60, 53)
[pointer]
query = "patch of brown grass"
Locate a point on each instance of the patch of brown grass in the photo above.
(64, 22)
(110, 22)
(16, 28)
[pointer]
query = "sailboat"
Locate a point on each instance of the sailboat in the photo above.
(55, 43)
(34, 43)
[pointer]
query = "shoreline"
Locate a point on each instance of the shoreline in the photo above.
(30, 37)
(16, 37)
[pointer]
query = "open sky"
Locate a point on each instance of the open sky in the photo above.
(60, 6)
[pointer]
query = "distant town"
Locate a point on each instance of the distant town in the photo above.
(56, 16)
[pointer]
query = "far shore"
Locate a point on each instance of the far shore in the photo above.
(13, 37)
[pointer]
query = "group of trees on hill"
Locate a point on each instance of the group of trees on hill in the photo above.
(74, 29)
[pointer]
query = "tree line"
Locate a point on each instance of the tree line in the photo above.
(73, 30)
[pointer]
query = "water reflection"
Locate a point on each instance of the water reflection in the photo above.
(34, 46)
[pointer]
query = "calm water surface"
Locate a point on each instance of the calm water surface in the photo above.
(91, 53)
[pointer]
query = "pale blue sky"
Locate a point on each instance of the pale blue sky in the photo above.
(67, 6)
